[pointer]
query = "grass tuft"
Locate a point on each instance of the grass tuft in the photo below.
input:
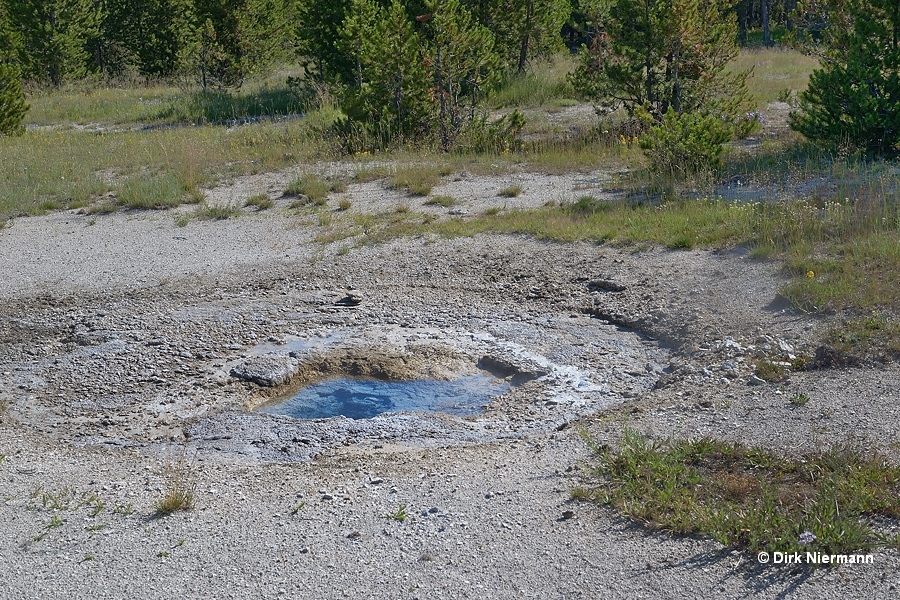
(152, 191)
(418, 180)
(311, 189)
(445, 201)
(400, 515)
(180, 492)
(768, 370)
(260, 202)
(216, 212)
(511, 191)
(799, 399)
(748, 498)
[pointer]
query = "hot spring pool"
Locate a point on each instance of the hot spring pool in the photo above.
(365, 398)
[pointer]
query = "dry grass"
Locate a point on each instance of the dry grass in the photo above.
(775, 71)
(181, 488)
(417, 180)
(511, 191)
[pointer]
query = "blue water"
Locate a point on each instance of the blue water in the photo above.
(365, 398)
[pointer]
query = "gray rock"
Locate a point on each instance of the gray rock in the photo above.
(269, 371)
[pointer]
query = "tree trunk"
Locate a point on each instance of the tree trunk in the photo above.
(789, 7)
(743, 13)
(523, 49)
(648, 64)
(442, 99)
(767, 35)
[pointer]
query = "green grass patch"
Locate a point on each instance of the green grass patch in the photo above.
(708, 223)
(768, 370)
(138, 103)
(181, 489)
(45, 170)
(876, 335)
(216, 212)
(511, 191)
(776, 71)
(545, 82)
(122, 103)
(152, 191)
(799, 399)
(419, 179)
(367, 174)
(259, 202)
(400, 515)
(312, 188)
(445, 201)
(749, 498)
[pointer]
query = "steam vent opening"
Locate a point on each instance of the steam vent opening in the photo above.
(361, 398)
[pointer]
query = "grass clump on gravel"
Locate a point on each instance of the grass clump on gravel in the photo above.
(400, 515)
(751, 499)
(510, 191)
(217, 212)
(259, 201)
(311, 186)
(153, 191)
(180, 491)
(418, 180)
(312, 189)
(444, 201)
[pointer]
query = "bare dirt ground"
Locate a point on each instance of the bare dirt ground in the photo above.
(130, 347)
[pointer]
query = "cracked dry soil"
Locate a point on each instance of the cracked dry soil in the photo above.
(131, 347)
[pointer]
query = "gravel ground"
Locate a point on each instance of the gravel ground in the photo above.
(131, 348)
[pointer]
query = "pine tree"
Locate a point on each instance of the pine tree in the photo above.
(665, 62)
(55, 36)
(522, 29)
(854, 99)
(464, 66)
(10, 42)
(234, 39)
(147, 36)
(389, 94)
(659, 54)
(318, 27)
(12, 101)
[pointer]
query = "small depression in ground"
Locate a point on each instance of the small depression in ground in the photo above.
(366, 398)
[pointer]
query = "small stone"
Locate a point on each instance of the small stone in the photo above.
(755, 380)
(269, 371)
(351, 299)
(784, 347)
(353, 535)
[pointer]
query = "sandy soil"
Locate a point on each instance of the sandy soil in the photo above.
(123, 338)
